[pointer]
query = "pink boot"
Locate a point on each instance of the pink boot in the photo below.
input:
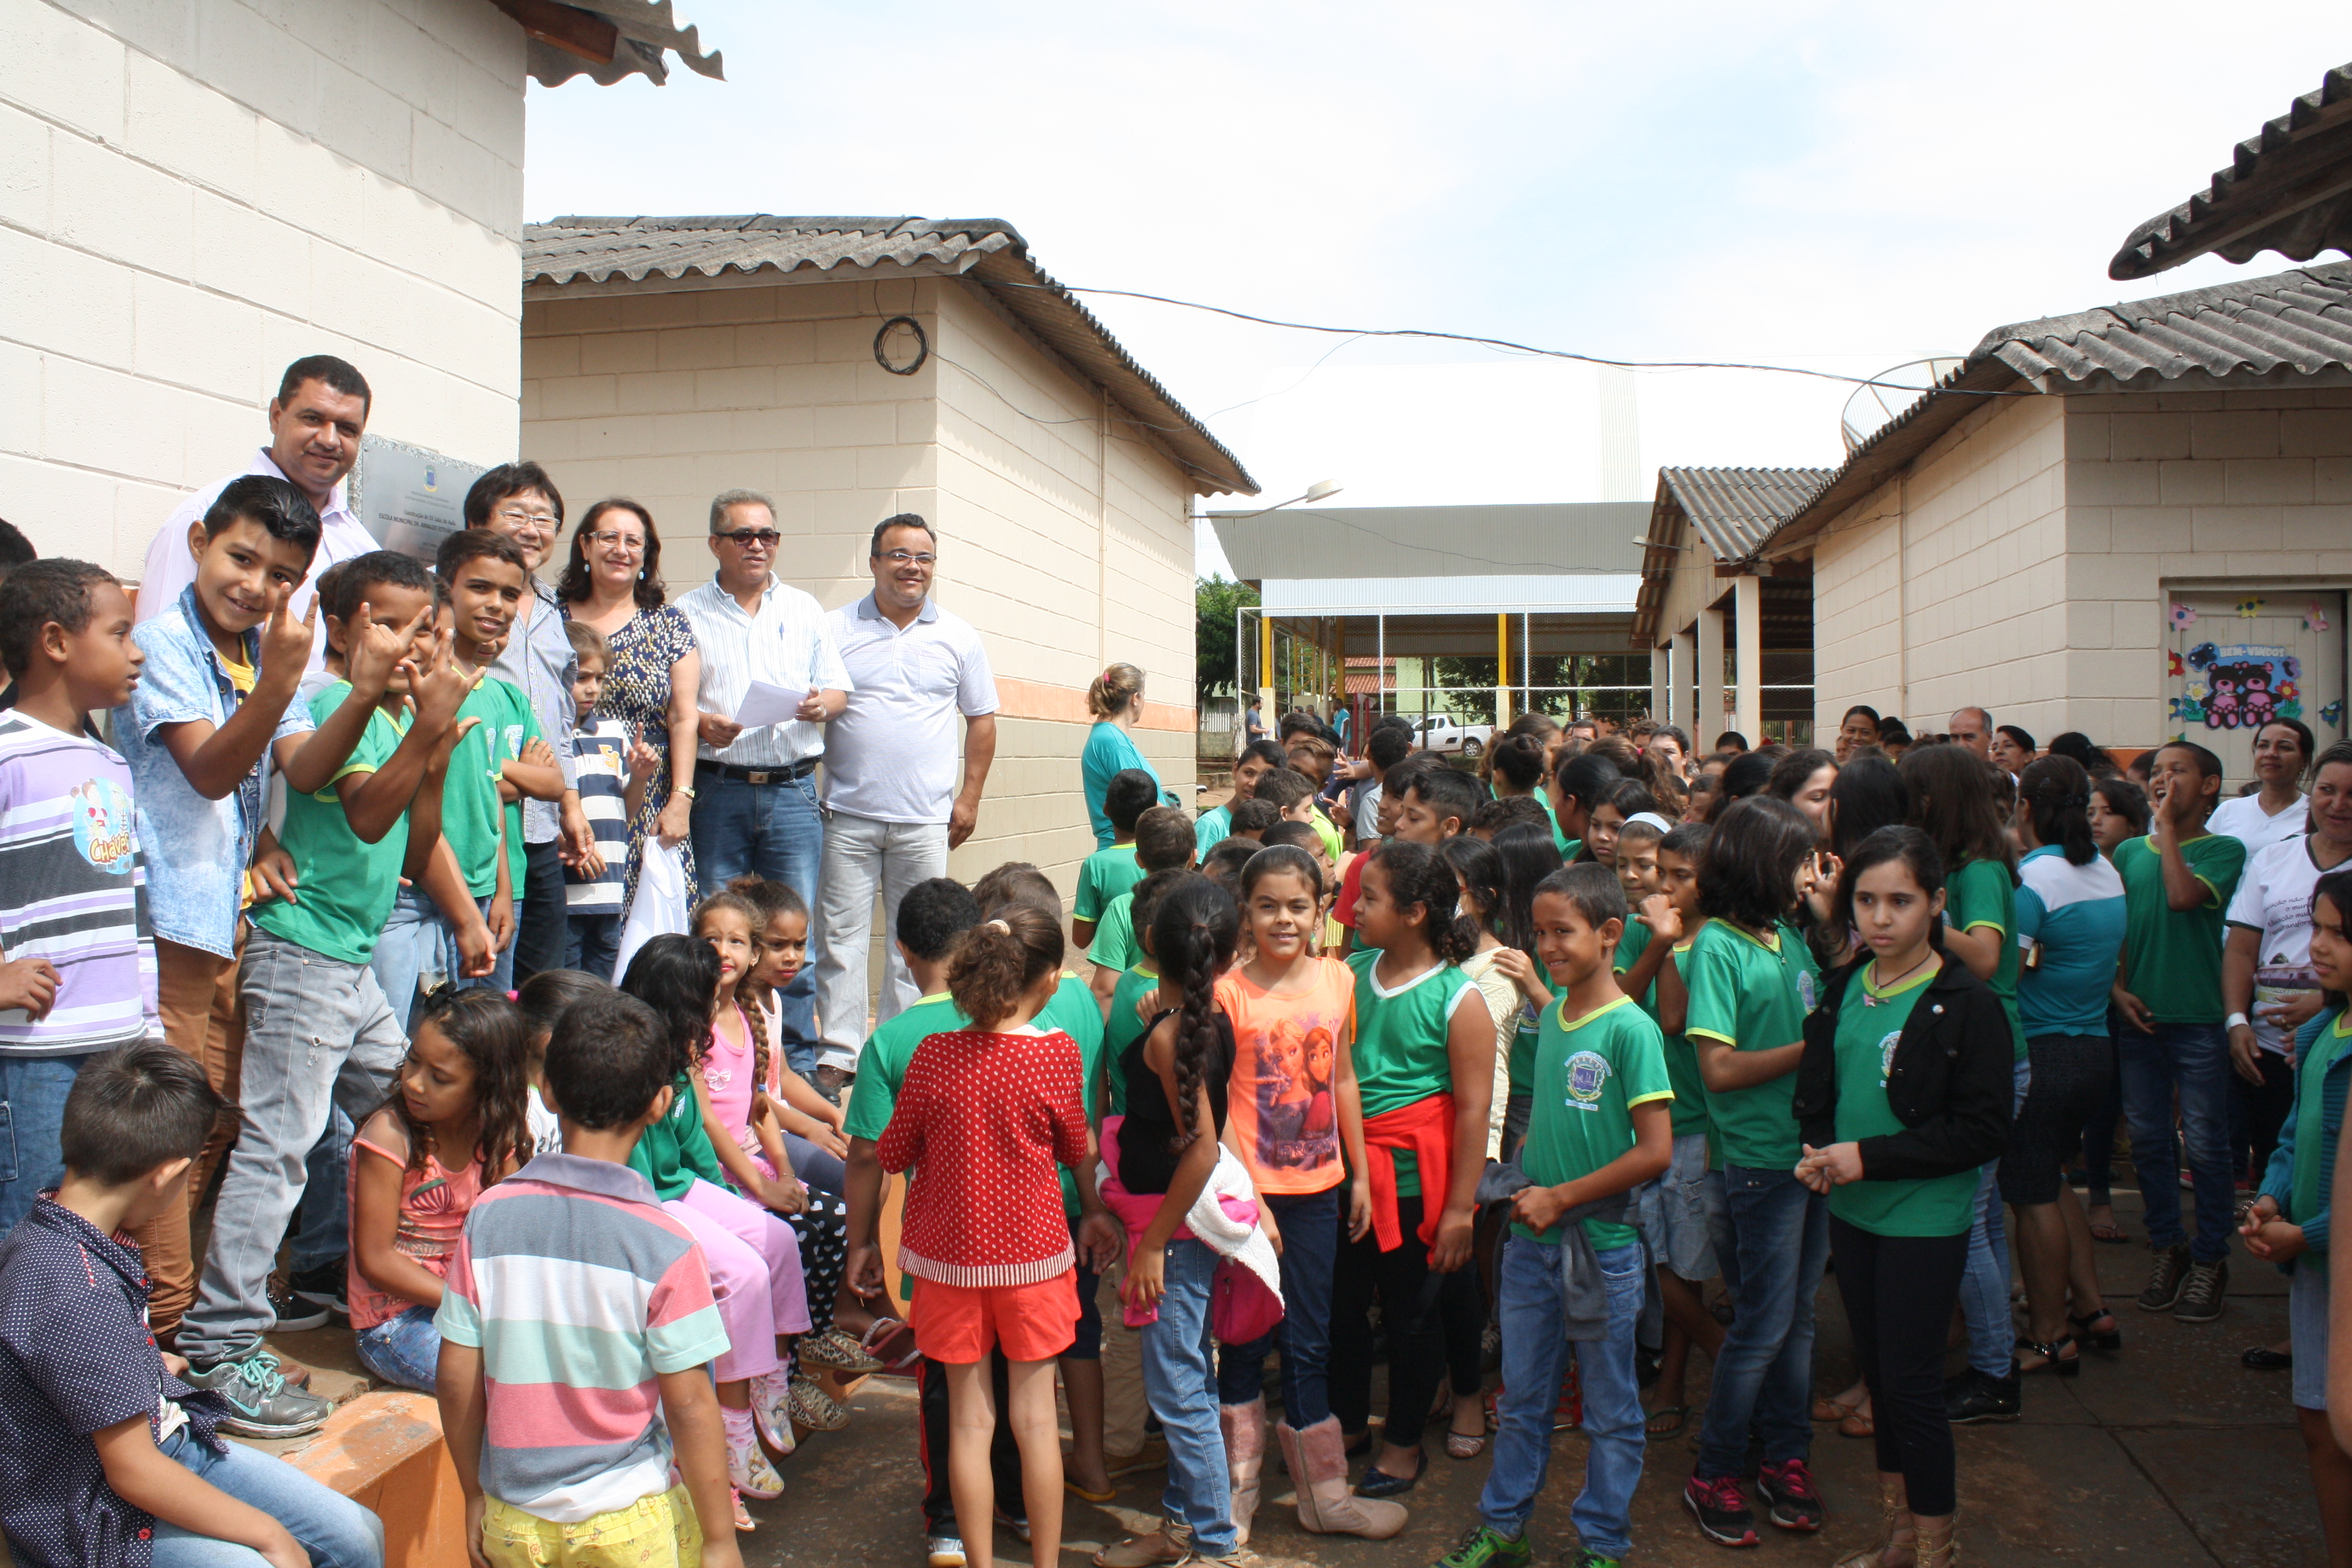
(1244, 1429)
(1319, 1464)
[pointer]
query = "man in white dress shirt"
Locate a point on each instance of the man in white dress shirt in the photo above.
(755, 806)
(315, 424)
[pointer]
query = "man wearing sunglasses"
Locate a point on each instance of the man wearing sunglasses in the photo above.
(755, 806)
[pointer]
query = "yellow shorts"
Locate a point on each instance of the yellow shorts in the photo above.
(659, 1531)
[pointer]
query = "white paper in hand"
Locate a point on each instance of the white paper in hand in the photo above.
(765, 704)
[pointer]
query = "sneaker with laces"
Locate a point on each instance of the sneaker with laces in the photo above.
(943, 1550)
(1720, 1508)
(1594, 1559)
(771, 1410)
(2164, 1285)
(259, 1403)
(293, 1313)
(1484, 1546)
(1787, 1489)
(2201, 1292)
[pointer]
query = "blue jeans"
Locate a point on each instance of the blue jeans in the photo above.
(1309, 1223)
(322, 1224)
(32, 1092)
(1984, 1289)
(2194, 1059)
(414, 948)
(771, 830)
(592, 944)
(405, 1350)
(1180, 1380)
(1530, 1293)
(336, 1531)
(1774, 1243)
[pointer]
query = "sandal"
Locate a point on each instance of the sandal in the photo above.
(1464, 1444)
(1835, 1409)
(2088, 1331)
(744, 1524)
(1152, 1551)
(1666, 1421)
(1070, 1485)
(1857, 1425)
(2108, 1231)
(2052, 1360)
(1378, 1483)
(892, 1342)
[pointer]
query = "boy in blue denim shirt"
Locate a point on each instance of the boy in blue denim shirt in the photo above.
(212, 714)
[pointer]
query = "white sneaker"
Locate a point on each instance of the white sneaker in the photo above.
(943, 1550)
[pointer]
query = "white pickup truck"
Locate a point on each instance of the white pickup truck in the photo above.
(1439, 734)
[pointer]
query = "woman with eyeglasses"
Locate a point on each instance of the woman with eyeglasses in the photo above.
(613, 583)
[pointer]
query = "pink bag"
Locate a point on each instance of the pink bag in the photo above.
(1241, 1309)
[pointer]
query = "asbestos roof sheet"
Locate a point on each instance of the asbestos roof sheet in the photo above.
(2288, 188)
(1733, 510)
(2273, 329)
(1368, 542)
(990, 252)
(647, 30)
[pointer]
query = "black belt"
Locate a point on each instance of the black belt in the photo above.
(785, 774)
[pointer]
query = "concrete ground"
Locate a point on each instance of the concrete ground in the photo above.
(2168, 1452)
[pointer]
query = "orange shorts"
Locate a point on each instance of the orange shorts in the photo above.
(959, 1324)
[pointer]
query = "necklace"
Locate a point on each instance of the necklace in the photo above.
(1871, 1000)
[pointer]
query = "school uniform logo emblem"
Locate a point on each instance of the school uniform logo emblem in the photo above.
(101, 825)
(1808, 991)
(1588, 1075)
(1886, 1056)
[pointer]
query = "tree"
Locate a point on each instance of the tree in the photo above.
(1215, 600)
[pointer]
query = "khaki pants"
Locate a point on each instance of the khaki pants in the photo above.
(196, 994)
(1122, 1371)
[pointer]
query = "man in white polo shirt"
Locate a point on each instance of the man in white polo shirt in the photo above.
(894, 804)
(755, 806)
(315, 424)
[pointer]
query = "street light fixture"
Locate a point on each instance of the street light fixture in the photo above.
(1320, 491)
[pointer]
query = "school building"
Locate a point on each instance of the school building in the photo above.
(1472, 613)
(857, 367)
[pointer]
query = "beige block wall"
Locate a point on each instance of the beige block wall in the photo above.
(191, 197)
(673, 396)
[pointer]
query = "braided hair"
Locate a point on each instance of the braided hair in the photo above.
(1417, 874)
(1193, 933)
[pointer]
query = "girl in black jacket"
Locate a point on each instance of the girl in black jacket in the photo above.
(1903, 1093)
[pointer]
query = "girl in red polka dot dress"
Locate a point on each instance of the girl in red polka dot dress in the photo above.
(990, 1113)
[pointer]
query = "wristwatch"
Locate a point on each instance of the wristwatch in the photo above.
(686, 790)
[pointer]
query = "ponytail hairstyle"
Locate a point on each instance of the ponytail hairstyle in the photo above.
(1528, 854)
(1113, 690)
(1954, 803)
(1283, 858)
(1917, 851)
(1002, 960)
(1583, 778)
(1479, 870)
(1667, 790)
(491, 1033)
(2056, 792)
(1417, 874)
(1749, 874)
(1193, 932)
(1518, 761)
(678, 976)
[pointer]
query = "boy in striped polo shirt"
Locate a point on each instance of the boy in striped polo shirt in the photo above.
(576, 1329)
(609, 788)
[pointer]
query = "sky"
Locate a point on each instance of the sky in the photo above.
(1821, 187)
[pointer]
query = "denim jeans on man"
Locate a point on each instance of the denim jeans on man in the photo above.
(2194, 1060)
(592, 944)
(861, 855)
(414, 949)
(1984, 1287)
(32, 1092)
(322, 1233)
(771, 830)
(1532, 1305)
(1309, 1223)
(405, 1350)
(1773, 1246)
(334, 1531)
(318, 1034)
(1179, 1379)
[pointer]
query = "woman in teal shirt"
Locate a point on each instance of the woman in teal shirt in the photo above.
(1116, 699)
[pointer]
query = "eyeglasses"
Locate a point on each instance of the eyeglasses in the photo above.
(626, 543)
(515, 517)
(908, 557)
(751, 538)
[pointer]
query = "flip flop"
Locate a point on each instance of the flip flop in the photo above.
(892, 1342)
(2109, 1232)
(1827, 1409)
(1673, 1417)
(1464, 1444)
(1071, 1485)
(1857, 1425)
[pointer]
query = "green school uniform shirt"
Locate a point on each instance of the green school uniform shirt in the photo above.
(1210, 828)
(1121, 1027)
(1401, 1056)
(1076, 1013)
(1869, 1025)
(1328, 835)
(1115, 945)
(346, 886)
(676, 1150)
(1752, 993)
(2172, 958)
(1590, 1074)
(1629, 948)
(1104, 876)
(1681, 1071)
(882, 1068)
(1522, 1065)
(1982, 893)
(470, 809)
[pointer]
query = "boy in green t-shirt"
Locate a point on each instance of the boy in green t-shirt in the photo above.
(2177, 882)
(319, 1031)
(1163, 842)
(1108, 873)
(482, 578)
(1600, 1126)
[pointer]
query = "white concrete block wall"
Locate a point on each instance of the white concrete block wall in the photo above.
(194, 192)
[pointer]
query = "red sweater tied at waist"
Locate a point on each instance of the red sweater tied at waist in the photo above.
(1426, 1128)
